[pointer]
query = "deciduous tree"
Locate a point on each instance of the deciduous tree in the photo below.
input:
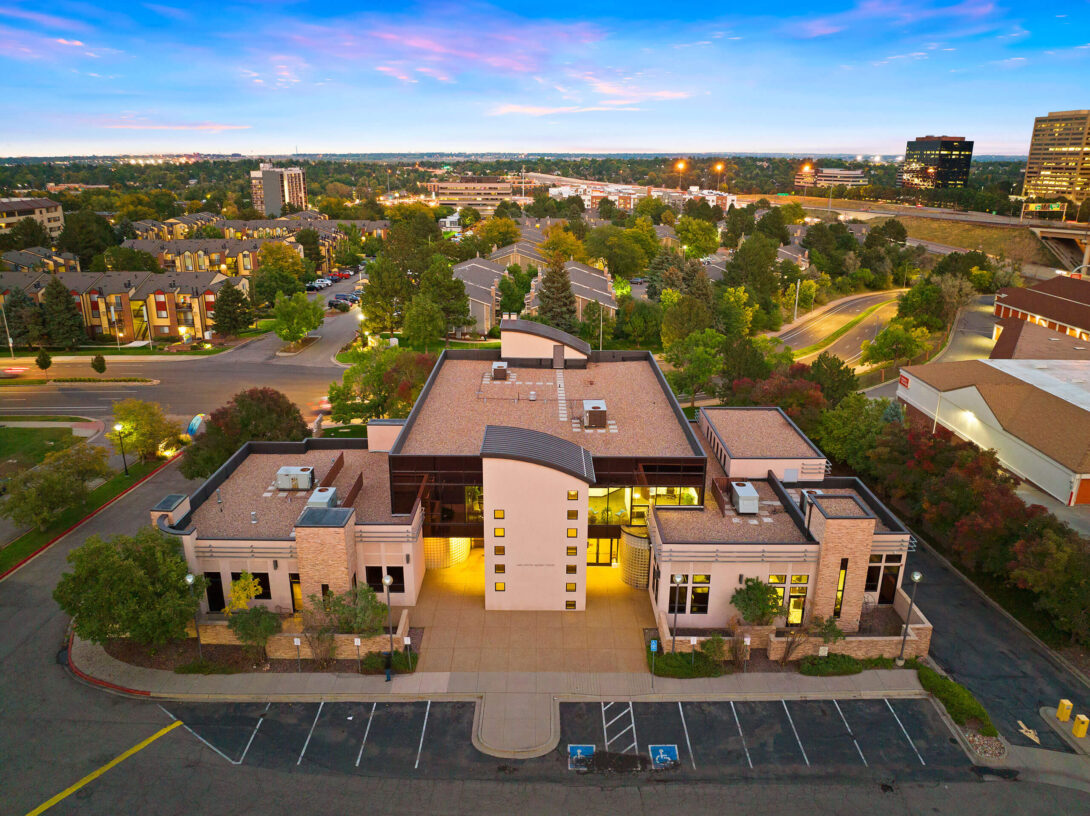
(697, 360)
(424, 322)
(385, 383)
(296, 316)
(146, 429)
(39, 496)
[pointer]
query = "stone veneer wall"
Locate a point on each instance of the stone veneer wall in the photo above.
(849, 538)
(326, 555)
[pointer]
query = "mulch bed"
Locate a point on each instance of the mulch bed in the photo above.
(236, 659)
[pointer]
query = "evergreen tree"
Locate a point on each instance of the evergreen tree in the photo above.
(87, 234)
(233, 312)
(439, 285)
(27, 232)
(63, 322)
(666, 259)
(43, 360)
(556, 301)
(21, 311)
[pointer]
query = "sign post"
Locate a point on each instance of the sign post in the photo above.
(359, 663)
(654, 648)
(298, 653)
(409, 651)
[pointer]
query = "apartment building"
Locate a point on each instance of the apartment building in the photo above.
(481, 278)
(482, 193)
(936, 163)
(547, 469)
(231, 256)
(522, 253)
(45, 212)
(1059, 156)
(133, 306)
(588, 284)
(830, 177)
(273, 187)
(39, 259)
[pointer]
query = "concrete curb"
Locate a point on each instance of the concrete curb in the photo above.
(1059, 660)
(546, 747)
(94, 681)
(11, 570)
(314, 339)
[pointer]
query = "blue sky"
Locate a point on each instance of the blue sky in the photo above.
(253, 77)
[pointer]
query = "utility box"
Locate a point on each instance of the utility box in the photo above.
(295, 478)
(323, 497)
(499, 371)
(1079, 729)
(744, 498)
(1063, 711)
(594, 413)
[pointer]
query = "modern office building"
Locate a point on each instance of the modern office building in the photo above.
(936, 163)
(830, 177)
(482, 193)
(273, 187)
(1059, 156)
(45, 212)
(546, 470)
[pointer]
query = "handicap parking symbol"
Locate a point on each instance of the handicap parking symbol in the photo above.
(663, 756)
(579, 757)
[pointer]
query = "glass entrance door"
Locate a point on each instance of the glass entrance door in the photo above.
(601, 552)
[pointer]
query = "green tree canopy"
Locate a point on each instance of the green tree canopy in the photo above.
(439, 285)
(233, 313)
(145, 428)
(63, 321)
(836, 378)
(498, 232)
(124, 259)
(296, 316)
(556, 301)
(424, 322)
(757, 602)
(129, 585)
(697, 236)
(40, 495)
(682, 318)
(385, 383)
(280, 271)
(697, 360)
(25, 233)
(86, 234)
(386, 295)
(900, 340)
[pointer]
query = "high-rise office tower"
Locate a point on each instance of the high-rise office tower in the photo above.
(936, 163)
(1059, 156)
(273, 187)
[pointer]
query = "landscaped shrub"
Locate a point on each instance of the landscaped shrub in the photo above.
(375, 662)
(958, 701)
(831, 665)
(685, 664)
(204, 667)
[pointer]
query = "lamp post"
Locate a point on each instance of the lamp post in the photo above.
(677, 603)
(718, 176)
(190, 579)
(11, 343)
(680, 167)
(388, 579)
(121, 443)
(915, 576)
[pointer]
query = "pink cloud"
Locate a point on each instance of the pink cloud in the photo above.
(545, 110)
(141, 123)
(45, 20)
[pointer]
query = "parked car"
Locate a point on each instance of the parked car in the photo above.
(312, 286)
(340, 275)
(339, 305)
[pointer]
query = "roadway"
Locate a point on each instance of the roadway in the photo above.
(192, 385)
(849, 346)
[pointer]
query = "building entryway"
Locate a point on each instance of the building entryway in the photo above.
(460, 635)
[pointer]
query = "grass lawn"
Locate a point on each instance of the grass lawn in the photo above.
(262, 326)
(22, 448)
(20, 381)
(34, 418)
(346, 431)
(23, 546)
(352, 356)
(1016, 243)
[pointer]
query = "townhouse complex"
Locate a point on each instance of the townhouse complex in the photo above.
(548, 467)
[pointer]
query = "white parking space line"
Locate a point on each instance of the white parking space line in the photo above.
(688, 744)
(788, 713)
(310, 733)
(366, 731)
(740, 734)
(260, 720)
(199, 737)
(626, 711)
(420, 747)
(903, 731)
(850, 734)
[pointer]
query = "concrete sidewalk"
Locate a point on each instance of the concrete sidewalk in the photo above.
(518, 715)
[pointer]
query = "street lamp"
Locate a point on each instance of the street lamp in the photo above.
(190, 579)
(719, 176)
(678, 579)
(680, 167)
(915, 577)
(121, 443)
(388, 579)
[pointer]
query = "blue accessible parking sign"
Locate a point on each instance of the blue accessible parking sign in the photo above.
(663, 756)
(579, 757)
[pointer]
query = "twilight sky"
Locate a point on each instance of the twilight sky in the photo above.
(255, 76)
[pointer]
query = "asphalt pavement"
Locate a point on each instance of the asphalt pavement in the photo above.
(849, 346)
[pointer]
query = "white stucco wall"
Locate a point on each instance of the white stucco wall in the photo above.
(520, 345)
(535, 505)
(381, 436)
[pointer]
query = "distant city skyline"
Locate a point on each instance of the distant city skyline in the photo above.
(269, 78)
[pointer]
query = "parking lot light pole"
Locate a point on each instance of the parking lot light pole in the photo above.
(388, 579)
(915, 576)
(121, 444)
(190, 579)
(677, 599)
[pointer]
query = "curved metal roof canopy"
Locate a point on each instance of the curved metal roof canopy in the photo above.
(522, 444)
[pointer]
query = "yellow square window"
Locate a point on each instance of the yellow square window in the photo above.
(569, 587)
(499, 550)
(501, 586)
(497, 514)
(573, 532)
(573, 551)
(573, 495)
(800, 579)
(500, 532)
(777, 579)
(571, 569)
(573, 514)
(501, 568)
(569, 604)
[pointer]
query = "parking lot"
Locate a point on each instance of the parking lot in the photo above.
(866, 739)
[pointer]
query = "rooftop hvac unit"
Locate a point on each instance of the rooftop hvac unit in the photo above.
(594, 413)
(744, 497)
(295, 478)
(323, 497)
(499, 371)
